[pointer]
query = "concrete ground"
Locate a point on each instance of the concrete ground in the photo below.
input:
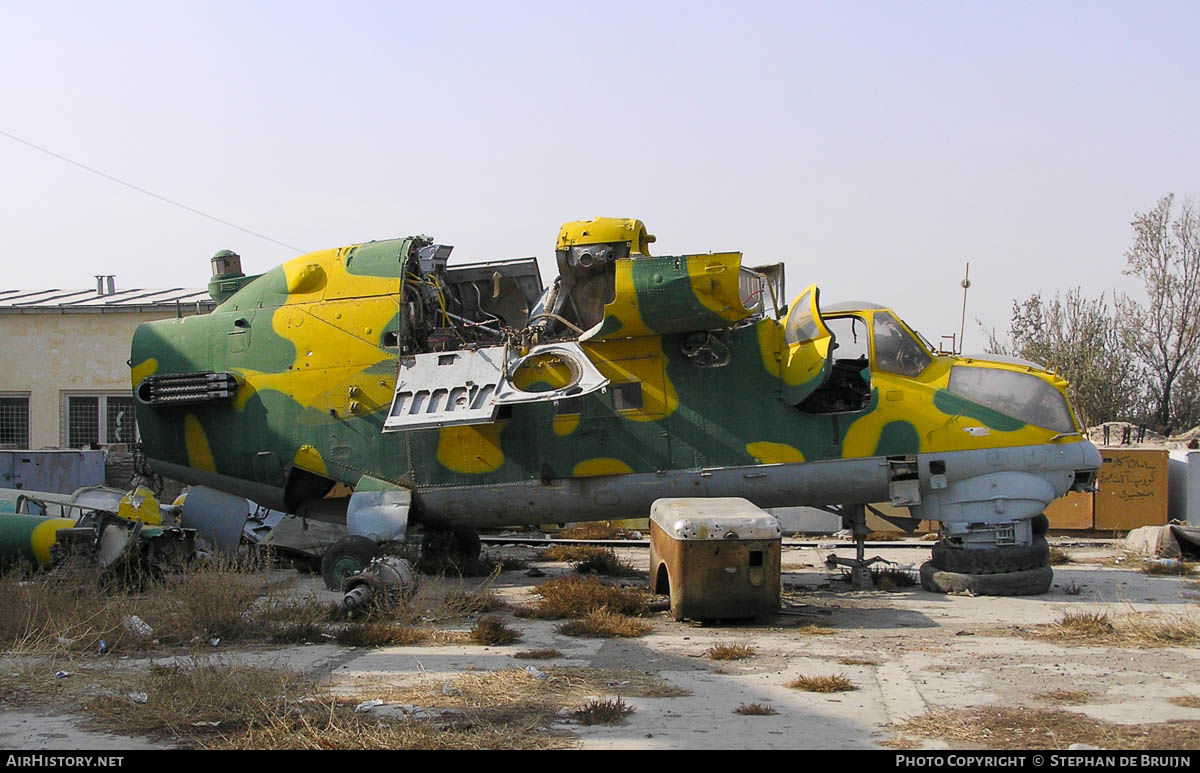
(920, 652)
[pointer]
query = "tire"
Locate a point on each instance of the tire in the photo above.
(1040, 524)
(346, 557)
(1029, 582)
(994, 561)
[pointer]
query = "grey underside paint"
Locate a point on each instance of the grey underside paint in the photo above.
(779, 485)
(840, 481)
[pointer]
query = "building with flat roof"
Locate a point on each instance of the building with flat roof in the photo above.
(64, 372)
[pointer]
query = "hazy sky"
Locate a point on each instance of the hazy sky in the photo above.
(874, 147)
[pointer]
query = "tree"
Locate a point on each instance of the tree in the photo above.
(1081, 340)
(1164, 335)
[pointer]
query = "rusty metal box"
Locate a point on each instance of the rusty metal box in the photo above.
(1131, 488)
(717, 558)
(1071, 511)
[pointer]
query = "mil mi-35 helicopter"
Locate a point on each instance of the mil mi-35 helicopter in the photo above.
(471, 396)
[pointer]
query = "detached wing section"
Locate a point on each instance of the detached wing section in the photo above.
(808, 346)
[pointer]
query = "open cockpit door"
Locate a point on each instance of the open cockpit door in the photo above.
(808, 344)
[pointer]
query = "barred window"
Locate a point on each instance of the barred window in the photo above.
(83, 421)
(98, 420)
(119, 427)
(14, 422)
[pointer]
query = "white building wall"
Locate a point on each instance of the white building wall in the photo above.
(50, 355)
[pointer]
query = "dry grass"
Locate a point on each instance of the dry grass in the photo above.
(1058, 557)
(1187, 701)
(604, 623)
(1176, 569)
(192, 701)
(812, 629)
(603, 711)
(730, 651)
(492, 631)
(515, 687)
(1023, 727)
(858, 662)
(383, 634)
(593, 530)
(589, 559)
(210, 704)
(335, 725)
(755, 710)
(835, 683)
(231, 600)
(887, 536)
(1068, 697)
(888, 577)
(574, 596)
(537, 654)
(1132, 629)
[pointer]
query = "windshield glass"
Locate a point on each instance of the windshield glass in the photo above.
(1022, 396)
(896, 351)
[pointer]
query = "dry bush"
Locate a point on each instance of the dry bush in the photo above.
(1133, 629)
(537, 654)
(382, 634)
(574, 596)
(603, 711)
(588, 558)
(755, 710)
(514, 688)
(1023, 727)
(1187, 701)
(1058, 557)
(889, 577)
(1175, 569)
(813, 629)
(1070, 697)
(201, 698)
(604, 623)
(229, 599)
(858, 662)
(887, 536)
(835, 683)
(730, 651)
(223, 706)
(335, 725)
(591, 530)
(492, 631)
(1085, 625)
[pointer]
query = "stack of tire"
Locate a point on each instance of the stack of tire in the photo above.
(1019, 570)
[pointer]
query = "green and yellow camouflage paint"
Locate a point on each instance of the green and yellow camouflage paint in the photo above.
(312, 346)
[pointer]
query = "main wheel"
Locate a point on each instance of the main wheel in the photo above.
(991, 561)
(347, 556)
(1030, 582)
(1040, 524)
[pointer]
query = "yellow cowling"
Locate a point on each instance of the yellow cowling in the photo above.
(606, 230)
(140, 505)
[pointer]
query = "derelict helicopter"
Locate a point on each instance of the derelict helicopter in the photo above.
(472, 396)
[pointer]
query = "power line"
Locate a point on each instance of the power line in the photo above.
(148, 193)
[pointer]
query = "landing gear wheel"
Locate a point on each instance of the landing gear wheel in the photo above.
(994, 561)
(459, 545)
(1030, 582)
(346, 557)
(1040, 524)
